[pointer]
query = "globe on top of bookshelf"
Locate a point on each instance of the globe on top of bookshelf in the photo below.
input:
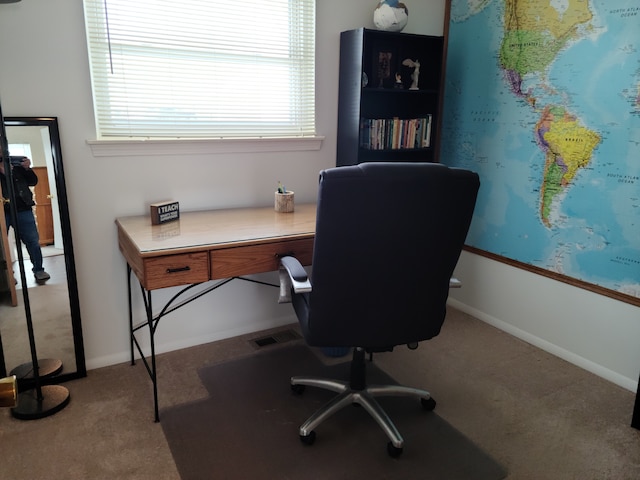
(391, 16)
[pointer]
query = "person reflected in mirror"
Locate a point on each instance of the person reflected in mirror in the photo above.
(23, 178)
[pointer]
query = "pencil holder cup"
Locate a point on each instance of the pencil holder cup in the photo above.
(284, 202)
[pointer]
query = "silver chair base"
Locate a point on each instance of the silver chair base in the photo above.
(365, 398)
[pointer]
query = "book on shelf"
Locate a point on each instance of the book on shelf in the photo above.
(395, 133)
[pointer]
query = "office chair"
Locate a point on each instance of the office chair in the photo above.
(388, 236)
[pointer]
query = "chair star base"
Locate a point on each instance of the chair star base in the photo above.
(365, 397)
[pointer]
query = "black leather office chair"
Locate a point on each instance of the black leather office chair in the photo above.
(388, 236)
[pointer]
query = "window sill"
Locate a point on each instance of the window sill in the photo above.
(126, 147)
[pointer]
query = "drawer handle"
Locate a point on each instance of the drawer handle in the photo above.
(180, 269)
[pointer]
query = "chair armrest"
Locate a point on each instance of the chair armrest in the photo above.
(297, 274)
(292, 276)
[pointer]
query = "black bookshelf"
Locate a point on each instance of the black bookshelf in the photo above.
(380, 118)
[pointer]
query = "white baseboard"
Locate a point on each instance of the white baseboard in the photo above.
(603, 372)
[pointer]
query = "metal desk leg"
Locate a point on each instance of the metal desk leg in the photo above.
(153, 372)
(133, 360)
(151, 368)
(152, 321)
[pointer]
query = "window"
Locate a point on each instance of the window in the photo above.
(202, 69)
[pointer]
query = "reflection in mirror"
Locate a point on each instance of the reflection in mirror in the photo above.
(54, 305)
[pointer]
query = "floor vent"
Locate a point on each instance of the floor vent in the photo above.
(277, 337)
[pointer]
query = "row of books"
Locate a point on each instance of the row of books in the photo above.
(395, 133)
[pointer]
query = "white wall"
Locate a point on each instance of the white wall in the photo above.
(45, 71)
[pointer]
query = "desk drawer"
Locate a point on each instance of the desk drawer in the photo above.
(236, 261)
(174, 270)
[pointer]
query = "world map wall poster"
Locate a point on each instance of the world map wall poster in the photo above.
(542, 99)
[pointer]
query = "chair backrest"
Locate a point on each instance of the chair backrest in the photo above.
(388, 237)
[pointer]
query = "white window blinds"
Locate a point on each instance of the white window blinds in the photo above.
(202, 68)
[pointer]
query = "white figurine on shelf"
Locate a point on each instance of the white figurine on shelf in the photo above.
(416, 72)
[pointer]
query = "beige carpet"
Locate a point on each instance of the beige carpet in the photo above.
(536, 415)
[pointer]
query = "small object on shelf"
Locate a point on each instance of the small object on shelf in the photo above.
(164, 212)
(415, 64)
(391, 16)
(398, 83)
(384, 67)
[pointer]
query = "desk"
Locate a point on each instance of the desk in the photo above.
(201, 246)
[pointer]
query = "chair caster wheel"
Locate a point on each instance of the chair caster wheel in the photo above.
(299, 389)
(429, 404)
(393, 452)
(308, 439)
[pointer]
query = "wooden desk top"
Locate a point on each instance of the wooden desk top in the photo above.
(216, 229)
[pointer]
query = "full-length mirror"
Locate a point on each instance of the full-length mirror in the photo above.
(54, 305)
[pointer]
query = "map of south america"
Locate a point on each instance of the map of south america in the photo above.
(568, 147)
